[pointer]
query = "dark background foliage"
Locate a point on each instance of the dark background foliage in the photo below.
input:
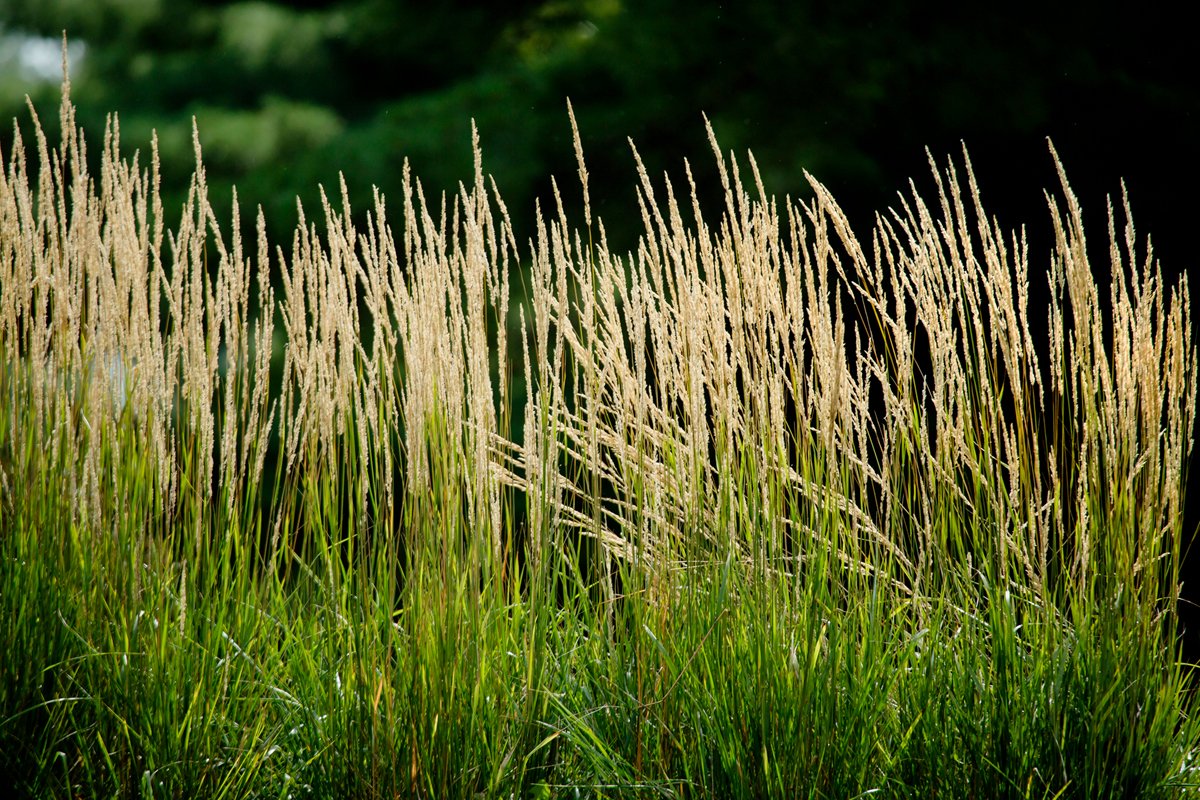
(289, 94)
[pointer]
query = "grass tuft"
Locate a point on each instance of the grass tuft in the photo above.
(411, 509)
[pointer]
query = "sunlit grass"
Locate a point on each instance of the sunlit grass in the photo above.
(761, 509)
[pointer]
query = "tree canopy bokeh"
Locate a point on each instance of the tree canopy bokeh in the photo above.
(289, 94)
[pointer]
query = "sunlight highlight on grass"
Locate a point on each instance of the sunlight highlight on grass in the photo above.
(759, 509)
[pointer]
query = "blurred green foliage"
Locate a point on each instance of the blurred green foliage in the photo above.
(289, 94)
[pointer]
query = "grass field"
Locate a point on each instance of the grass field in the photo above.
(417, 505)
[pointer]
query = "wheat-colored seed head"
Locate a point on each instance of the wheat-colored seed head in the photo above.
(750, 388)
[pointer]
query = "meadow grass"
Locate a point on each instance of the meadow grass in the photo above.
(759, 509)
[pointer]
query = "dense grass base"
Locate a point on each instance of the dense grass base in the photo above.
(129, 676)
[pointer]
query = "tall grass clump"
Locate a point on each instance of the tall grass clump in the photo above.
(411, 506)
